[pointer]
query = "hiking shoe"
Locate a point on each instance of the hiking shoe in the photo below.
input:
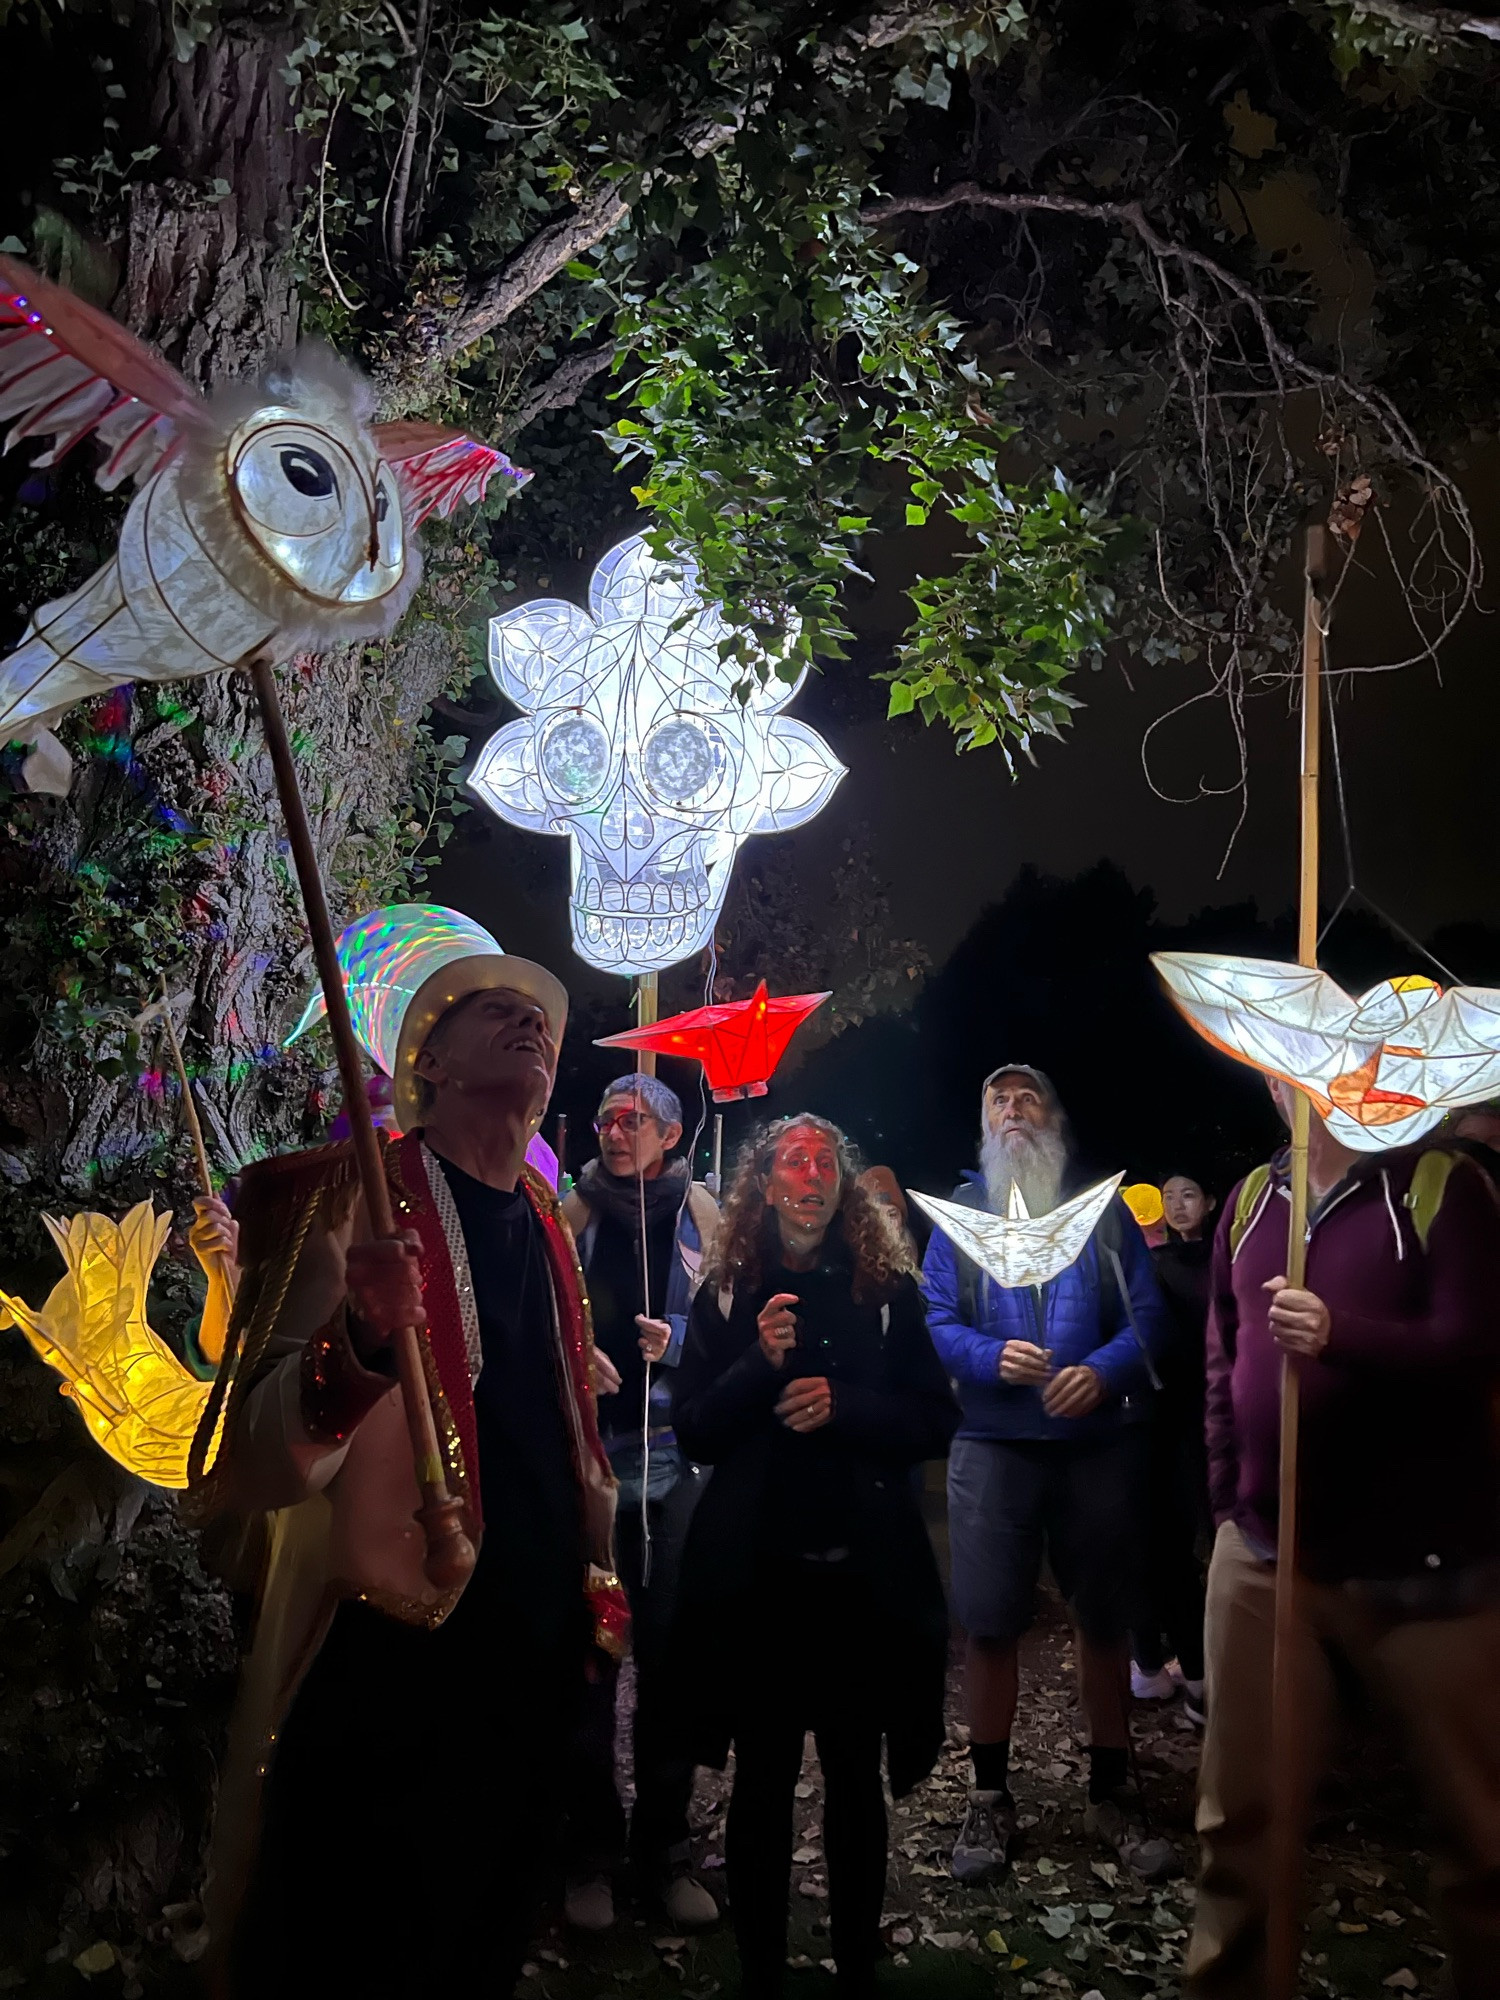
(1119, 1823)
(1195, 1705)
(589, 1903)
(983, 1846)
(688, 1905)
(1159, 1686)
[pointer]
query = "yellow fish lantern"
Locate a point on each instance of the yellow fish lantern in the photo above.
(139, 1402)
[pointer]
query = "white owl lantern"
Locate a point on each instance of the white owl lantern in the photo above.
(269, 517)
(634, 744)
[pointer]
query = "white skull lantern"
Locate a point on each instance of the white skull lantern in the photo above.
(634, 744)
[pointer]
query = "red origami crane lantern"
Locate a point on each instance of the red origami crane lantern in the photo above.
(739, 1045)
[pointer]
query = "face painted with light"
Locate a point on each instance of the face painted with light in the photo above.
(803, 1185)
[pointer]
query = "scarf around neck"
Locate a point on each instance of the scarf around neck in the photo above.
(619, 1195)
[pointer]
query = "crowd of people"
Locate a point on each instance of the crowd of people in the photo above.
(709, 1421)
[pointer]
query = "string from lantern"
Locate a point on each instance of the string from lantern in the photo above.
(710, 980)
(1352, 889)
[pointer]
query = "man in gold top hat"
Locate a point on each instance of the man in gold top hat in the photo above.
(404, 1733)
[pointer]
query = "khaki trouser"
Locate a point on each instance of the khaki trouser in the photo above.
(1440, 1677)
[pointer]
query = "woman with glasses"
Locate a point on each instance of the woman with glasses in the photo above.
(641, 1227)
(810, 1598)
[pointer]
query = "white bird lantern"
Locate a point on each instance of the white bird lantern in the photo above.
(1019, 1248)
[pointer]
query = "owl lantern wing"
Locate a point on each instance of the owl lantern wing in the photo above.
(68, 371)
(1022, 1250)
(441, 470)
(137, 1400)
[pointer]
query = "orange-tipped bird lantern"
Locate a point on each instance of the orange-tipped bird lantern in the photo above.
(738, 1044)
(1381, 1069)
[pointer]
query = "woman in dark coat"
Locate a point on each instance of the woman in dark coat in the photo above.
(1179, 1527)
(810, 1599)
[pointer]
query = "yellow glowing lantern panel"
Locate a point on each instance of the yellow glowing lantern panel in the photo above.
(140, 1403)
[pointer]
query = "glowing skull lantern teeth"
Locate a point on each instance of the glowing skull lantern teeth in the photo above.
(634, 745)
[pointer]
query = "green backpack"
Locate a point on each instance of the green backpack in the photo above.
(1429, 1183)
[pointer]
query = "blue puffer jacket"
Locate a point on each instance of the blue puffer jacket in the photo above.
(1084, 1319)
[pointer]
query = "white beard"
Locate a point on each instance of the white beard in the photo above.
(1032, 1161)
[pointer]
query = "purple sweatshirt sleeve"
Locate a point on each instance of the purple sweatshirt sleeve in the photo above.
(1220, 1338)
(1463, 1263)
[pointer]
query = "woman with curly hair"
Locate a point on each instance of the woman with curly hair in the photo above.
(810, 1599)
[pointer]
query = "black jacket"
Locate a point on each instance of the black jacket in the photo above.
(892, 1408)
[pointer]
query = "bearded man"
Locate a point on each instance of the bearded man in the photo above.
(1054, 1382)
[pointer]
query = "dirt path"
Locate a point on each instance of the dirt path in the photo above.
(1066, 1920)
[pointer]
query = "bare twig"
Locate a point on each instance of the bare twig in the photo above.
(343, 297)
(398, 194)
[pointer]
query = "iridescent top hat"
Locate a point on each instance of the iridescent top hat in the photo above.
(404, 966)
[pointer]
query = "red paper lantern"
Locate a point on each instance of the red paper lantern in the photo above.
(739, 1045)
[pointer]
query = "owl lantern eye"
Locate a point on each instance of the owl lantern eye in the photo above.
(310, 473)
(320, 505)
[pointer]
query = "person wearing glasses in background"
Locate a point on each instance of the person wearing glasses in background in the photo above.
(633, 1190)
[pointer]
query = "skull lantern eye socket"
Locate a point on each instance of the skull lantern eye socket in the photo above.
(575, 758)
(683, 761)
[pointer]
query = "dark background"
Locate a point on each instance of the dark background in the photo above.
(1038, 900)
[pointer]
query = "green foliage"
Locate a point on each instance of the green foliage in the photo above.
(800, 390)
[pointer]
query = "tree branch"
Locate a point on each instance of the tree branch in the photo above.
(562, 388)
(1443, 25)
(1129, 215)
(431, 339)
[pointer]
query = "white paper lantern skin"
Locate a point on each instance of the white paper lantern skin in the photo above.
(1382, 1068)
(633, 744)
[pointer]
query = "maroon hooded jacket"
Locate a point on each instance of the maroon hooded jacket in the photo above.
(1400, 1470)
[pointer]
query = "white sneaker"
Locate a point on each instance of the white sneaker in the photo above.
(589, 1903)
(1159, 1686)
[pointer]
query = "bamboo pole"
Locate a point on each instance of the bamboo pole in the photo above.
(223, 1268)
(647, 1014)
(1284, 1912)
(450, 1553)
(189, 1107)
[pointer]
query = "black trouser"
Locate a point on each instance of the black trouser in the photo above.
(817, 1675)
(409, 1817)
(663, 1778)
(1177, 1521)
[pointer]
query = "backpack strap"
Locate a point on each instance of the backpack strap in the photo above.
(1252, 1191)
(1429, 1183)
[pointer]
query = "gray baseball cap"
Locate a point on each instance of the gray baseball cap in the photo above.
(1039, 1077)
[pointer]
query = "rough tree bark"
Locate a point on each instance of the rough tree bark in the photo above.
(120, 1653)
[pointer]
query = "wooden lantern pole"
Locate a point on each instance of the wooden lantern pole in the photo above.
(1284, 1911)
(647, 1014)
(226, 1272)
(450, 1553)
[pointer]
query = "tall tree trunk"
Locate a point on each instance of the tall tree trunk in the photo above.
(166, 860)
